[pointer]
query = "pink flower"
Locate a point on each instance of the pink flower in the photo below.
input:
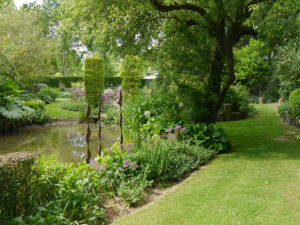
(183, 130)
(170, 130)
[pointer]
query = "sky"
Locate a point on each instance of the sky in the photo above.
(19, 3)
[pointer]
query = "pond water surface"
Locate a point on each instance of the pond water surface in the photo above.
(65, 140)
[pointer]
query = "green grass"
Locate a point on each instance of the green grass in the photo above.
(55, 111)
(258, 182)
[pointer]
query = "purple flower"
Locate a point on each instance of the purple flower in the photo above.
(128, 151)
(178, 127)
(170, 130)
(109, 151)
(122, 146)
(133, 165)
(121, 169)
(126, 163)
(129, 146)
(93, 163)
(101, 167)
(121, 185)
(183, 130)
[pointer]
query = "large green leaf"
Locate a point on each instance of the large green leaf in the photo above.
(11, 111)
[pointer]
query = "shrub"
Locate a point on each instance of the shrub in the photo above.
(93, 79)
(131, 74)
(285, 108)
(48, 95)
(239, 98)
(207, 135)
(37, 112)
(111, 116)
(17, 191)
(294, 100)
(151, 113)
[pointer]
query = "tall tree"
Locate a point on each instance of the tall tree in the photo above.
(195, 37)
(24, 54)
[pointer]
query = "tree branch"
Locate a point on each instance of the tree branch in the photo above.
(168, 8)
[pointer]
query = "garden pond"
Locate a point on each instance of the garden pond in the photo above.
(65, 140)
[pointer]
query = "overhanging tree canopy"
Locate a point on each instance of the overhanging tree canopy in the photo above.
(193, 39)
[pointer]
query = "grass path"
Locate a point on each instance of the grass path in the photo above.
(258, 182)
(54, 109)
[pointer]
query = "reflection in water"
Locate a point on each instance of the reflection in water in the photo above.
(66, 141)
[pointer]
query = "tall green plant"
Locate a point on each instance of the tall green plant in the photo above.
(93, 79)
(131, 74)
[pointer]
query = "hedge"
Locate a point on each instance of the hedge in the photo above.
(110, 82)
(17, 197)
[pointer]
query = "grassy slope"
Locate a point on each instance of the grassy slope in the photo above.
(55, 111)
(258, 182)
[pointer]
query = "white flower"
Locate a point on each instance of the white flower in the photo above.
(180, 105)
(147, 113)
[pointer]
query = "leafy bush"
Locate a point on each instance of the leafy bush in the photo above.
(294, 100)
(151, 113)
(286, 68)
(209, 136)
(285, 108)
(239, 98)
(111, 116)
(48, 95)
(17, 191)
(36, 113)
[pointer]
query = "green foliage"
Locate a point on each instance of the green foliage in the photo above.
(253, 67)
(17, 196)
(131, 74)
(287, 70)
(294, 100)
(73, 106)
(285, 109)
(66, 81)
(209, 136)
(238, 97)
(48, 95)
(151, 113)
(111, 116)
(36, 113)
(11, 111)
(8, 89)
(25, 55)
(110, 82)
(93, 79)
(113, 82)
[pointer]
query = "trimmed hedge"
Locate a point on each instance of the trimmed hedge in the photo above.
(93, 79)
(17, 196)
(110, 82)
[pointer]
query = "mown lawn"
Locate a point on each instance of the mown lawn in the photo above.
(55, 111)
(258, 182)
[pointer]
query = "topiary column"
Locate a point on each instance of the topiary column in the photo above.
(94, 87)
(131, 74)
